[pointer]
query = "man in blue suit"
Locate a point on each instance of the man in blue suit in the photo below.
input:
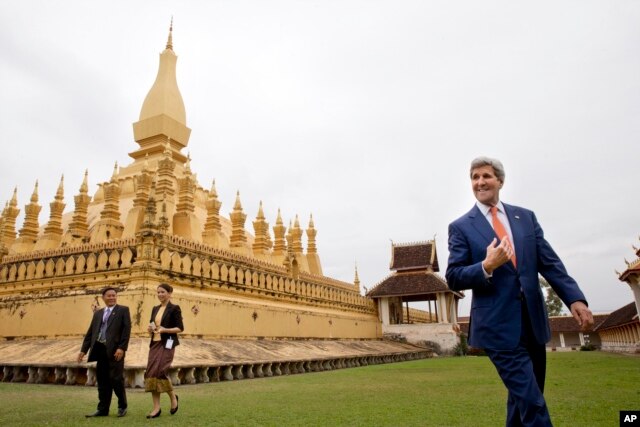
(498, 250)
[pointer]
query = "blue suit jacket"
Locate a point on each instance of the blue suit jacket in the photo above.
(495, 320)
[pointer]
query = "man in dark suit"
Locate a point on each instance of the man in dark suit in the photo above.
(498, 250)
(108, 339)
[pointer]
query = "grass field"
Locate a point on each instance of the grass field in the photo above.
(583, 389)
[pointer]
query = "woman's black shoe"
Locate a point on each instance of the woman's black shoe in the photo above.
(174, 410)
(155, 415)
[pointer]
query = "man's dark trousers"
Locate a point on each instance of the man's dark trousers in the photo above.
(523, 372)
(109, 374)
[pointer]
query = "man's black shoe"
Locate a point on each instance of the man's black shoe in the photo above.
(97, 414)
(122, 412)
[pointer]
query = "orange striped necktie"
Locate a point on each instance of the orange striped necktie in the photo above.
(501, 232)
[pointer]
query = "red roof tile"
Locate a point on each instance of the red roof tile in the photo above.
(621, 316)
(410, 283)
(414, 256)
(569, 324)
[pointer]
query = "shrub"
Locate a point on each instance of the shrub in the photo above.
(462, 348)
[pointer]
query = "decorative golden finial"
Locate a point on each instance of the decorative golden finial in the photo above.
(279, 218)
(311, 224)
(617, 273)
(296, 223)
(170, 39)
(84, 188)
(34, 195)
(145, 166)
(237, 206)
(260, 211)
(60, 192)
(627, 262)
(187, 166)
(115, 172)
(213, 192)
(14, 199)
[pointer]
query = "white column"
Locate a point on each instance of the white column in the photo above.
(561, 340)
(581, 335)
(453, 309)
(442, 306)
(384, 310)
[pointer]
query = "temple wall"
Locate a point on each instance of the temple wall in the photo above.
(53, 293)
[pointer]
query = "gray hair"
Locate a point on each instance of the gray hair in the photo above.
(496, 164)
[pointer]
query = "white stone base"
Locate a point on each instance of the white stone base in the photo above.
(441, 333)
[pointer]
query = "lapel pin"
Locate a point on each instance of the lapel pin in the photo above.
(517, 217)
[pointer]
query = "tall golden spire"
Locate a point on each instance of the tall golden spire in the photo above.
(261, 229)
(279, 230)
(109, 226)
(10, 213)
(31, 212)
(213, 205)
(163, 113)
(311, 237)
(78, 231)
(296, 237)
(238, 239)
(30, 227)
(54, 226)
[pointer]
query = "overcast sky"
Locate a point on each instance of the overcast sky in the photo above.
(364, 113)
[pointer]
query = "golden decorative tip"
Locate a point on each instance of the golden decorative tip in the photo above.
(170, 38)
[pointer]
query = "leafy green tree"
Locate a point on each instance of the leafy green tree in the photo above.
(552, 300)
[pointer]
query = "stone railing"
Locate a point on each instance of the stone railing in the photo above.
(216, 271)
(202, 373)
(84, 259)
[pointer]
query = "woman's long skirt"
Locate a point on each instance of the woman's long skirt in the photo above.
(156, 377)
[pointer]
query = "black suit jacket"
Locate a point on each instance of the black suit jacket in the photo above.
(118, 331)
(171, 318)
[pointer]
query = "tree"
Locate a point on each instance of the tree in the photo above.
(552, 300)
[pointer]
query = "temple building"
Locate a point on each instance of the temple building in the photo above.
(415, 279)
(150, 222)
(621, 331)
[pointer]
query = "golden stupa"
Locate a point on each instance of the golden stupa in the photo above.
(153, 222)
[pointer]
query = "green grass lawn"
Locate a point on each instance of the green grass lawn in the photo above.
(583, 389)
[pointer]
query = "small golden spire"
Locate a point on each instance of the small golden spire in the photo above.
(279, 218)
(311, 224)
(14, 199)
(84, 188)
(115, 172)
(34, 195)
(237, 206)
(145, 167)
(213, 192)
(187, 165)
(170, 39)
(260, 211)
(60, 192)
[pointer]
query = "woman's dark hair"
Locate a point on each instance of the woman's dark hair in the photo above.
(166, 287)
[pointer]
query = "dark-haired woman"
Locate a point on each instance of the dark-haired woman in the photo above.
(165, 325)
